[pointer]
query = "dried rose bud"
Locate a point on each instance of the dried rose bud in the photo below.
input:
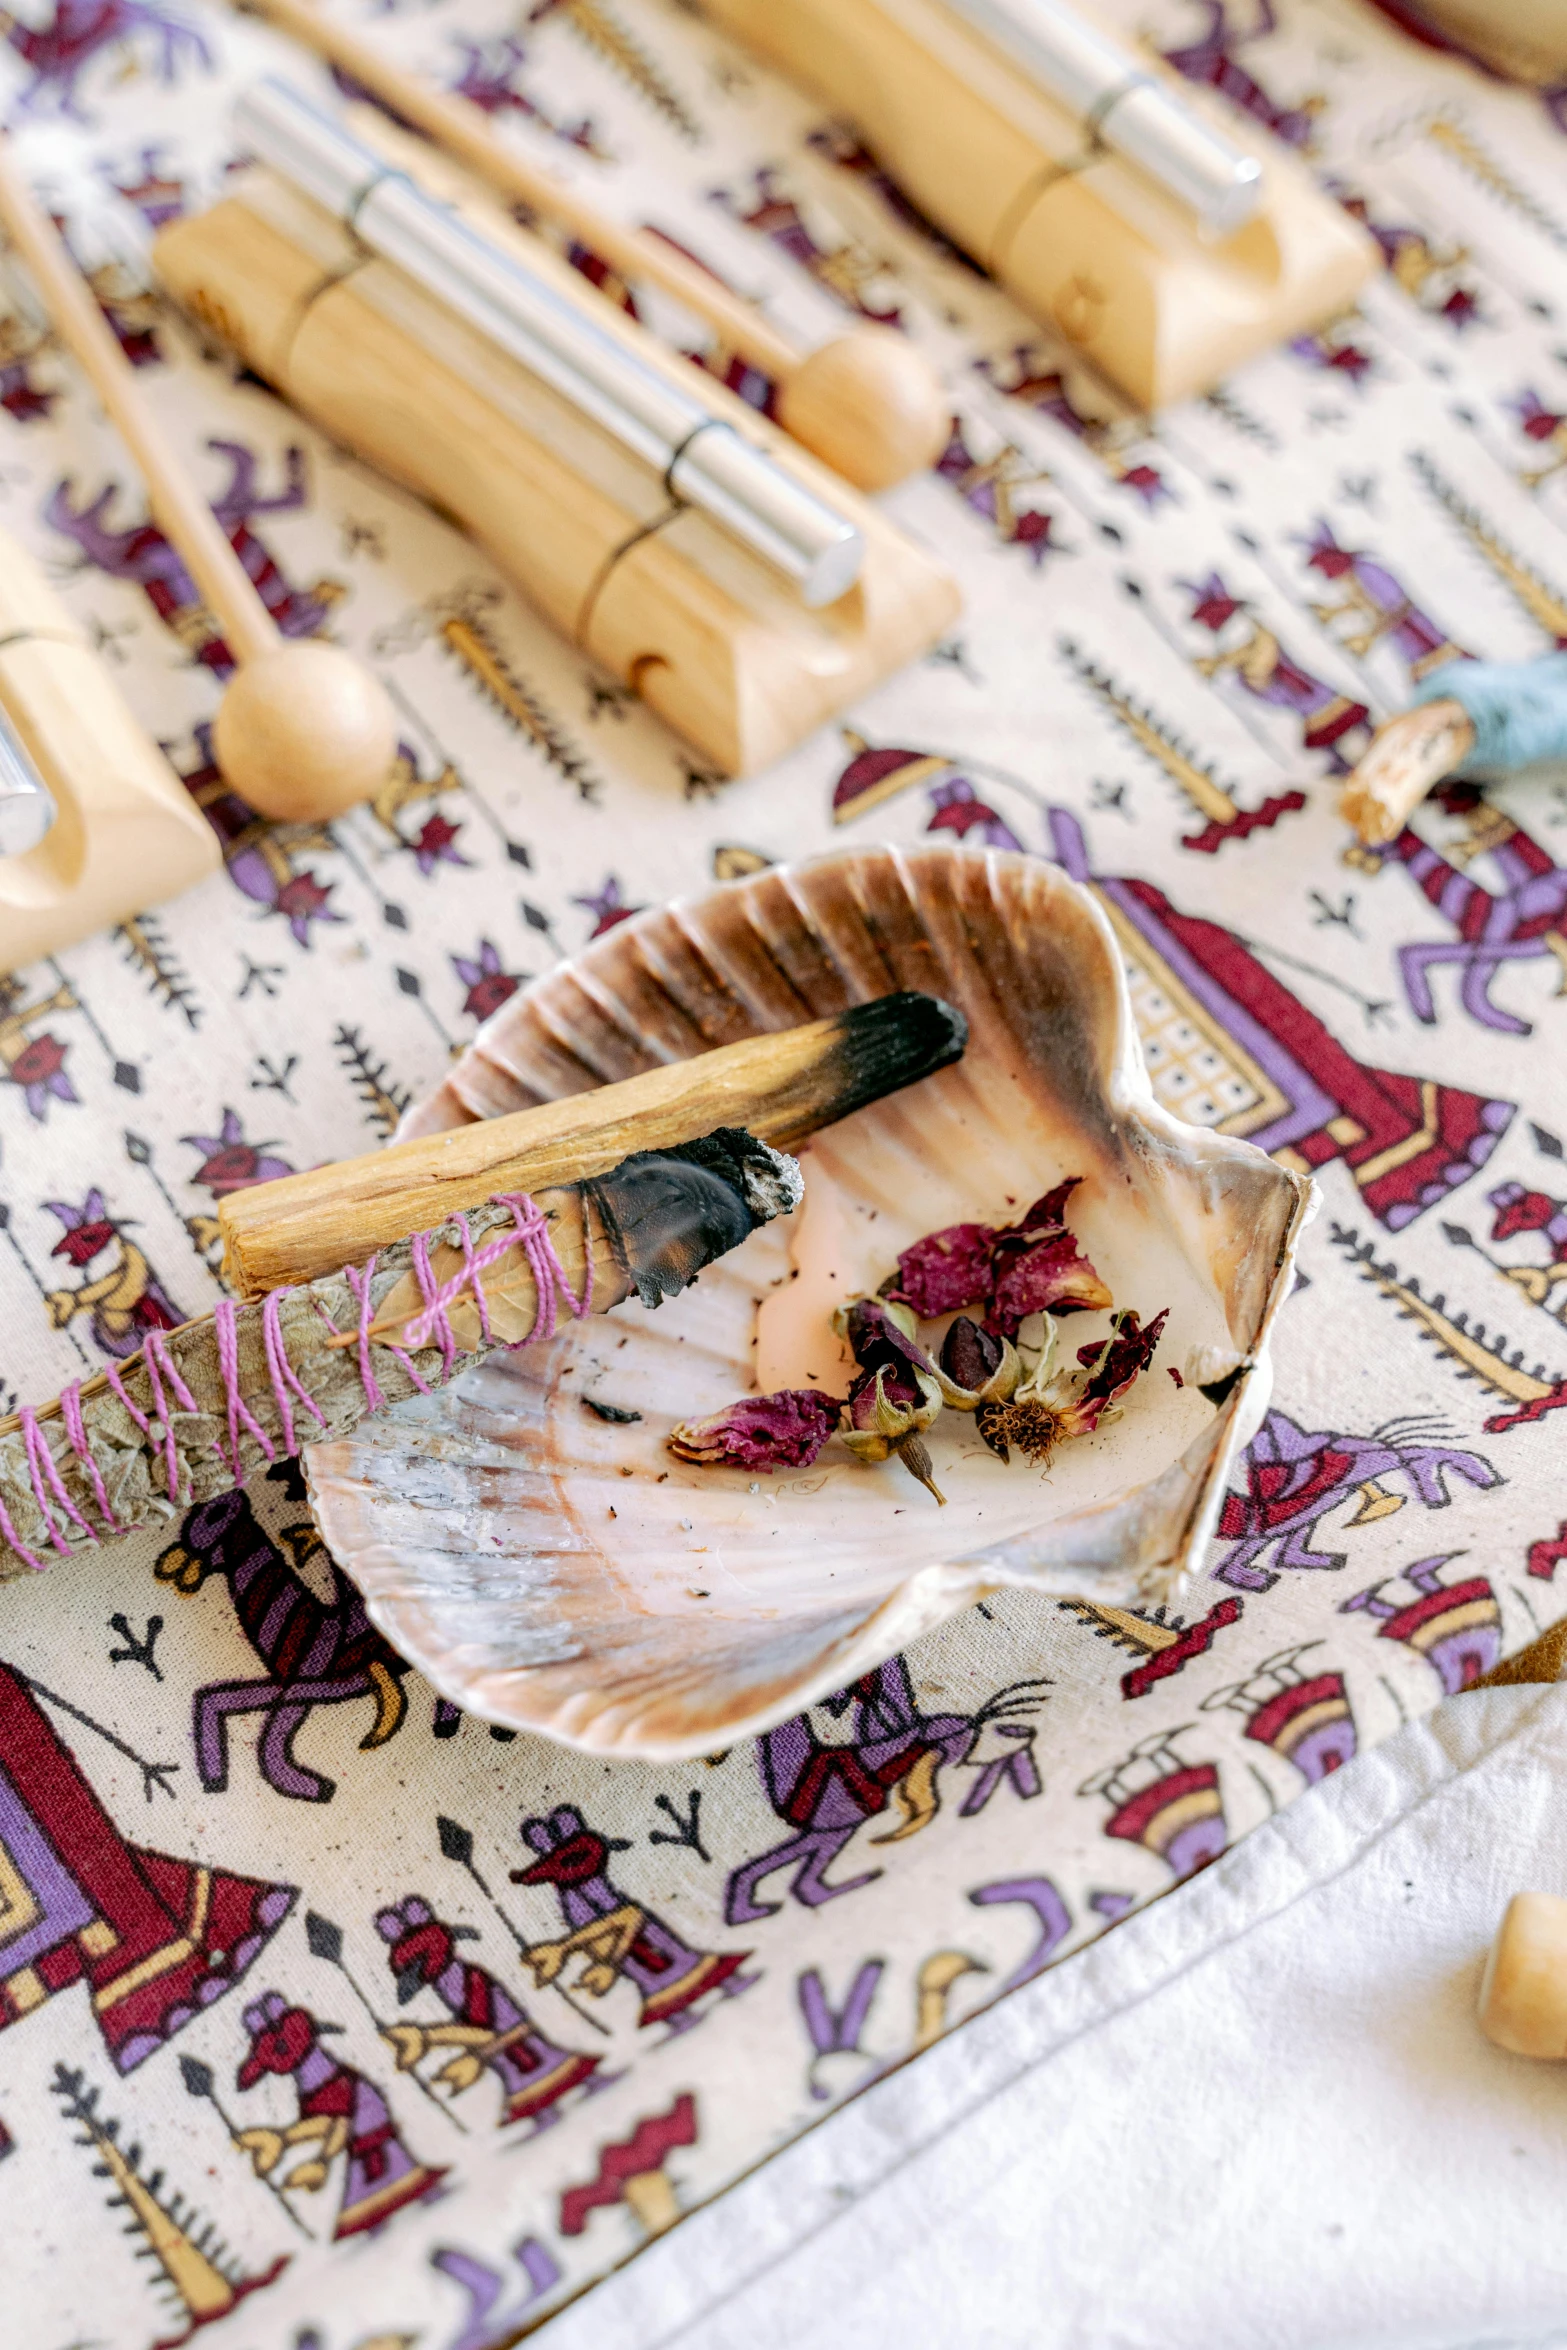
(946, 1270)
(767, 1432)
(1046, 1409)
(976, 1366)
(886, 1411)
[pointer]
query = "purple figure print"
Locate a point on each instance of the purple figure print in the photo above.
(607, 906)
(957, 808)
(1304, 1717)
(492, 2321)
(826, 1791)
(490, 2030)
(59, 52)
(1432, 276)
(1294, 1478)
(1547, 428)
(126, 1299)
(1520, 1210)
(1211, 61)
(229, 1163)
(341, 2113)
(835, 2031)
(1375, 608)
(1456, 1627)
(316, 1651)
(1171, 1807)
(614, 1935)
(143, 555)
(1329, 720)
(845, 270)
(1524, 921)
(20, 344)
(1054, 1922)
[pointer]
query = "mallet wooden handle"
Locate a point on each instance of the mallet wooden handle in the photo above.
(779, 1088)
(867, 402)
(180, 512)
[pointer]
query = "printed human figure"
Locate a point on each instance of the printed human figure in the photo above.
(341, 2113)
(1518, 1209)
(1330, 721)
(34, 1064)
(1523, 921)
(1377, 608)
(1456, 1627)
(490, 2029)
(127, 1299)
(1171, 1807)
(618, 1938)
(1211, 60)
(1303, 1717)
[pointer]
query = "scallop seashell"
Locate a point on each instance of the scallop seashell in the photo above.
(564, 1573)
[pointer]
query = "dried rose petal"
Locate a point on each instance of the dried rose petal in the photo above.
(946, 1270)
(1040, 1269)
(1112, 1364)
(782, 1431)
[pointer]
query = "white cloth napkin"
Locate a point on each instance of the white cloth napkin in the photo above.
(1258, 2116)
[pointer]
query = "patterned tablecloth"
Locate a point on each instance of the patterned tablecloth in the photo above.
(333, 2019)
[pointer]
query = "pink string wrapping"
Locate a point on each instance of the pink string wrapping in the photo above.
(431, 1326)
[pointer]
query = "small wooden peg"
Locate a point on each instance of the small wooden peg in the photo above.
(303, 731)
(867, 403)
(1523, 1992)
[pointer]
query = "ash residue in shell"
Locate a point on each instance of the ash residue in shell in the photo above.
(666, 1214)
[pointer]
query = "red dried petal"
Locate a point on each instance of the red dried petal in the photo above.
(1052, 1277)
(946, 1270)
(1117, 1361)
(767, 1432)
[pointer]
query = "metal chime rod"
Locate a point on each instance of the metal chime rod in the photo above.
(27, 808)
(1131, 111)
(703, 460)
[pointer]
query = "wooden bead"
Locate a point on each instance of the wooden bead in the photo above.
(1523, 1992)
(869, 405)
(304, 733)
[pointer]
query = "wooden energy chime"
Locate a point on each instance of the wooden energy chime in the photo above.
(94, 822)
(740, 587)
(1109, 198)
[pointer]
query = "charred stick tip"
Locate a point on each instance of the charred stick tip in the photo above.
(892, 1042)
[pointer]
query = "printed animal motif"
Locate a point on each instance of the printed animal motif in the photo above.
(846, 270)
(1211, 61)
(124, 1301)
(1303, 1717)
(492, 2321)
(1171, 1807)
(142, 554)
(1265, 1067)
(1373, 608)
(1524, 921)
(1330, 721)
(155, 1939)
(58, 53)
(35, 1064)
(1456, 1627)
(1030, 380)
(1547, 428)
(1294, 1478)
(995, 487)
(825, 1791)
(341, 2112)
(316, 1651)
(616, 1937)
(263, 860)
(490, 2030)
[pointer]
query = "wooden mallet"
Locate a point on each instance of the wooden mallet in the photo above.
(303, 730)
(1523, 1992)
(867, 402)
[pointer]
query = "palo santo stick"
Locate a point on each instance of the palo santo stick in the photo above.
(780, 1088)
(867, 402)
(1407, 756)
(648, 1226)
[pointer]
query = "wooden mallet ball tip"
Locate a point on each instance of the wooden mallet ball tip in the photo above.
(1523, 1993)
(304, 733)
(869, 405)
